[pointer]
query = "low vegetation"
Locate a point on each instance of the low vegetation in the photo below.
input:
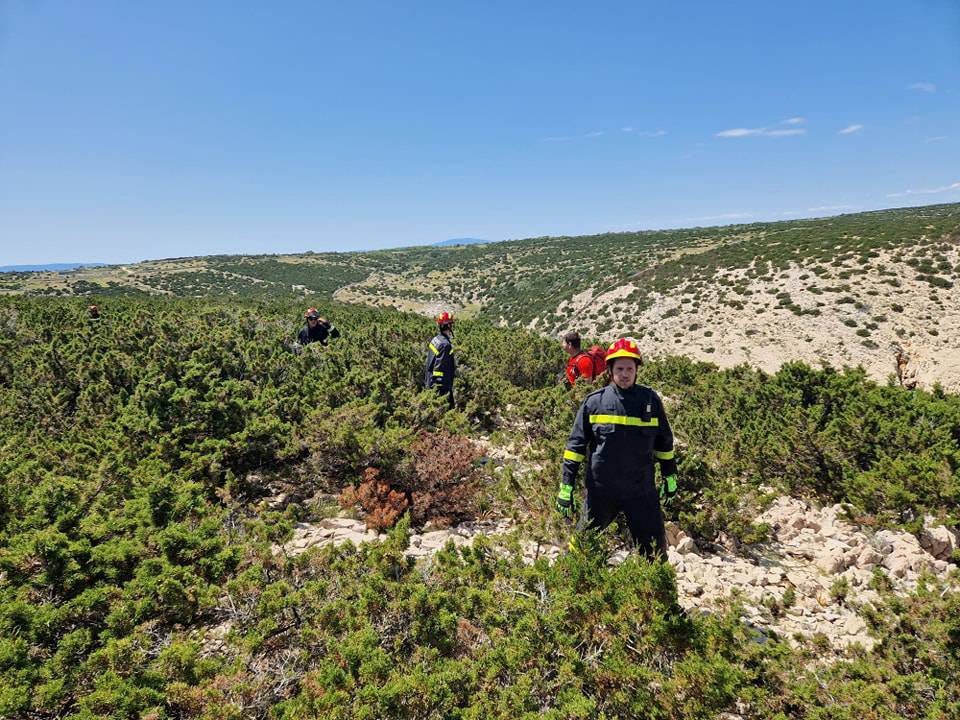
(137, 456)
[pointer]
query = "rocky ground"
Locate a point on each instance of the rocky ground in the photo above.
(812, 577)
(881, 316)
(908, 329)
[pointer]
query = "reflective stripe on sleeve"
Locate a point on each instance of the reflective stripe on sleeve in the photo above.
(571, 455)
(663, 454)
(623, 420)
(434, 349)
(438, 373)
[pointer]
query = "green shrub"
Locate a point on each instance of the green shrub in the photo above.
(140, 453)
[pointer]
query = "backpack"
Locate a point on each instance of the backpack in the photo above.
(599, 357)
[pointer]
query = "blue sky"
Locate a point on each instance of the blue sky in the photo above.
(141, 130)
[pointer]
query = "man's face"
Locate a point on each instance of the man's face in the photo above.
(312, 321)
(569, 349)
(624, 373)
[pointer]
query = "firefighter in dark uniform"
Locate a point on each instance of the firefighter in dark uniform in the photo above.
(440, 366)
(619, 432)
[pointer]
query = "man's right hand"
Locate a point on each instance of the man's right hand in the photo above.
(668, 487)
(565, 505)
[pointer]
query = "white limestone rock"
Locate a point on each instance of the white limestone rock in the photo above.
(686, 545)
(938, 541)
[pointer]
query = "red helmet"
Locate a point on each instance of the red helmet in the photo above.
(311, 313)
(624, 347)
(444, 318)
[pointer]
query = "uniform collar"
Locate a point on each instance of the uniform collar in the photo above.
(632, 390)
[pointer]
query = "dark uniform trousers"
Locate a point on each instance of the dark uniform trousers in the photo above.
(641, 510)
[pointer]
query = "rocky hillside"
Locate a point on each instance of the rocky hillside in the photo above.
(818, 574)
(874, 289)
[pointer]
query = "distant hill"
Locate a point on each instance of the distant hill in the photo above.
(52, 267)
(459, 241)
(877, 289)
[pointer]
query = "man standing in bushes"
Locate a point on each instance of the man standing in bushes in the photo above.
(440, 366)
(582, 364)
(619, 431)
(318, 329)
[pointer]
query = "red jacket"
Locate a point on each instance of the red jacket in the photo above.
(578, 366)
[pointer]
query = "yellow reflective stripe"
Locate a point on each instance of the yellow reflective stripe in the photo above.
(438, 373)
(663, 454)
(623, 420)
(571, 455)
(434, 348)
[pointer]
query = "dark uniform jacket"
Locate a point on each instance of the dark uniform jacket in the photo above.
(440, 366)
(619, 434)
(318, 333)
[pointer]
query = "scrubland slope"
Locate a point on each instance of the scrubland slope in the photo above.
(157, 465)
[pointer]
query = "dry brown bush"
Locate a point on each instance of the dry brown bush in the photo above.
(382, 506)
(441, 488)
(444, 485)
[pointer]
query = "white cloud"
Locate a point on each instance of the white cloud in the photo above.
(933, 191)
(927, 87)
(758, 132)
(937, 138)
(850, 129)
(626, 129)
(741, 132)
(794, 121)
(595, 133)
(785, 133)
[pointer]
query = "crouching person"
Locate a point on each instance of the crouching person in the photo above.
(318, 329)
